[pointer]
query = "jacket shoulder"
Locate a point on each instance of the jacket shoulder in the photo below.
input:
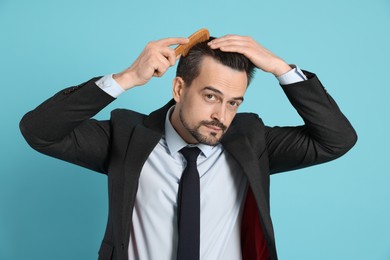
(127, 117)
(251, 126)
(248, 122)
(247, 132)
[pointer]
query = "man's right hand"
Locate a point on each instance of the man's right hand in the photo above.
(154, 60)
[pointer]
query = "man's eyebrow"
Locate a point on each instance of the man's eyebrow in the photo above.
(213, 90)
(220, 93)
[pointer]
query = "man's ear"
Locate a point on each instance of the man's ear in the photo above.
(178, 86)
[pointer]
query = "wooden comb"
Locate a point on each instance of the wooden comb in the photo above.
(198, 36)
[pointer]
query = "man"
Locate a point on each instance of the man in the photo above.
(144, 160)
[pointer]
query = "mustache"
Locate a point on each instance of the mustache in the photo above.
(214, 123)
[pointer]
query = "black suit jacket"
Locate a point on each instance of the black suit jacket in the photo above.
(62, 127)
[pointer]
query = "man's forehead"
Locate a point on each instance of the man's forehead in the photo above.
(213, 72)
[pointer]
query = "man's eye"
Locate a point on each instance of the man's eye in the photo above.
(234, 103)
(210, 97)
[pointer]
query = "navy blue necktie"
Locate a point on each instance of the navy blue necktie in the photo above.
(189, 208)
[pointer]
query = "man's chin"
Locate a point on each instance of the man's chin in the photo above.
(210, 139)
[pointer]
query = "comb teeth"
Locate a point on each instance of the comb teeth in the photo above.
(198, 36)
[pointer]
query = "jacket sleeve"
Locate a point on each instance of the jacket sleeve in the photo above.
(326, 135)
(62, 127)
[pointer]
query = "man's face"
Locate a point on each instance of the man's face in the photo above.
(205, 109)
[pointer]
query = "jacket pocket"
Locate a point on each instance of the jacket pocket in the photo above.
(106, 251)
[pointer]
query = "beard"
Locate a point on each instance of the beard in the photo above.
(212, 139)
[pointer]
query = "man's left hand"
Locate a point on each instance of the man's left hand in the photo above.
(257, 54)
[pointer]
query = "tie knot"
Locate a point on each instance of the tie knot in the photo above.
(190, 153)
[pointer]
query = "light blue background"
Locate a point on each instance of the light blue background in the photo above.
(50, 209)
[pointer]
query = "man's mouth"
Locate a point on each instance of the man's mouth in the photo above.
(215, 126)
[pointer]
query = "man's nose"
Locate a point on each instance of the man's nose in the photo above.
(219, 113)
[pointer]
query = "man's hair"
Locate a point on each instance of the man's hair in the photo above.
(189, 66)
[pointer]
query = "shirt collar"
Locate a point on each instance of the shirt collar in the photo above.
(175, 142)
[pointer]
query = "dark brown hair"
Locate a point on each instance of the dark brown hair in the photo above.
(189, 66)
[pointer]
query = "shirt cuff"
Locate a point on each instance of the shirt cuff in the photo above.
(110, 86)
(293, 76)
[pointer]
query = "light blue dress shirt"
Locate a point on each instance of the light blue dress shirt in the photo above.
(222, 186)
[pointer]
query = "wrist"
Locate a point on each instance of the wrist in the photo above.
(281, 69)
(125, 79)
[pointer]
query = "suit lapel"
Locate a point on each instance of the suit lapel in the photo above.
(240, 149)
(238, 146)
(145, 137)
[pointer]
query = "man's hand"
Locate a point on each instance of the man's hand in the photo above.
(154, 60)
(257, 54)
